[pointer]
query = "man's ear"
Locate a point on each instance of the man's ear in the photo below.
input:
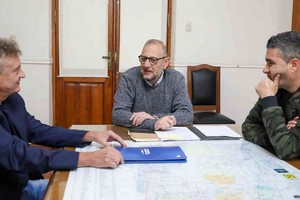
(166, 62)
(295, 64)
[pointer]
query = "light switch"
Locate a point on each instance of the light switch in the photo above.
(188, 27)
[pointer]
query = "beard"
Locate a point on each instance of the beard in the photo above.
(149, 77)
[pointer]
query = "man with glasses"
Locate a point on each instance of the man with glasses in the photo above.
(150, 96)
(273, 122)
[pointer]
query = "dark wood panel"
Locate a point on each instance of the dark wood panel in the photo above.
(296, 16)
(169, 27)
(84, 101)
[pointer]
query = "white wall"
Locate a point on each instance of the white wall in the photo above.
(29, 21)
(231, 34)
(228, 33)
(36, 90)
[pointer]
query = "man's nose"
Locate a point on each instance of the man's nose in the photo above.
(265, 69)
(147, 63)
(22, 74)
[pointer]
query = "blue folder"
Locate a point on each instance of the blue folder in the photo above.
(167, 154)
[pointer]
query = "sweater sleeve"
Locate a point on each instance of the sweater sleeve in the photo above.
(182, 106)
(123, 102)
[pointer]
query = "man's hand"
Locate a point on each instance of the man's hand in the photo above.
(165, 123)
(137, 118)
(103, 137)
(267, 87)
(106, 157)
(292, 124)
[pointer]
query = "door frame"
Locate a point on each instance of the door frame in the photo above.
(113, 48)
(296, 16)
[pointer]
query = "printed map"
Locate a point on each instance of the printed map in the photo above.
(222, 170)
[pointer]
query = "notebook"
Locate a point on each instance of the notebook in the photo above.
(142, 135)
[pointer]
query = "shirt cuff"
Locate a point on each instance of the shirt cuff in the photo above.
(269, 102)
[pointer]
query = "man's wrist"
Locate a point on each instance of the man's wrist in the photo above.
(268, 102)
(88, 137)
(84, 159)
(156, 117)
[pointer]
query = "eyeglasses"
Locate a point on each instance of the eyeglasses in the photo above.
(152, 60)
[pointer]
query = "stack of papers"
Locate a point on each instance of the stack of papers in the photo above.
(197, 132)
(175, 133)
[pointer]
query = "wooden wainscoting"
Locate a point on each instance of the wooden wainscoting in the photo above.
(83, 100)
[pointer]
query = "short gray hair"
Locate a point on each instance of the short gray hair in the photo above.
(8, 46)
(155, 41)
(288, 44)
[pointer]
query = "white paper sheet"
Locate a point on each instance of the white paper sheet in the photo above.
(208, 131)
(177, 133)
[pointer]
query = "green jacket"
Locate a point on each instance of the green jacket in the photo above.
(266, 124)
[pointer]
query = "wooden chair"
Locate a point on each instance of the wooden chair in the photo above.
(118, 77)
(204, 90)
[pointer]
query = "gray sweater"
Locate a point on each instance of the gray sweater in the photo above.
(169, 97)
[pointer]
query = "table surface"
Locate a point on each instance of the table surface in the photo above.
(58, 181)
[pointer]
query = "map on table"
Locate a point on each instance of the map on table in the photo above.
(233, 169)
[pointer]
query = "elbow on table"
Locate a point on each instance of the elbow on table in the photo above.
(287, 151)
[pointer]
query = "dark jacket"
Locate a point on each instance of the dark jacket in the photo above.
(19, 161)
(266, 124)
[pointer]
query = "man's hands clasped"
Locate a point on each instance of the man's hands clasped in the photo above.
(163, 123)
(292, 124)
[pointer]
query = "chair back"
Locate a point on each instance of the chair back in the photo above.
(204, 87)
(118, 77)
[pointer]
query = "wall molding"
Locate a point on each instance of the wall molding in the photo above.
(178, 64)
(37, 61)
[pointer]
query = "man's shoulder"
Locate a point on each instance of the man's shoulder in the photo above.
(174, 74)
(14, 98)
(132, 73)
(132, 70)
(283, 94)
(171, 70)
(297, 94)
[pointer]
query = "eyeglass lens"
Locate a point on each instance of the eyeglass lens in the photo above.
(152, 60)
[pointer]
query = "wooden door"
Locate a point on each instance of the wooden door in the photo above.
(83, 99)
(88, 99)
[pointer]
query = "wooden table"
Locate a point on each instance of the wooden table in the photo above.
(58, 181)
